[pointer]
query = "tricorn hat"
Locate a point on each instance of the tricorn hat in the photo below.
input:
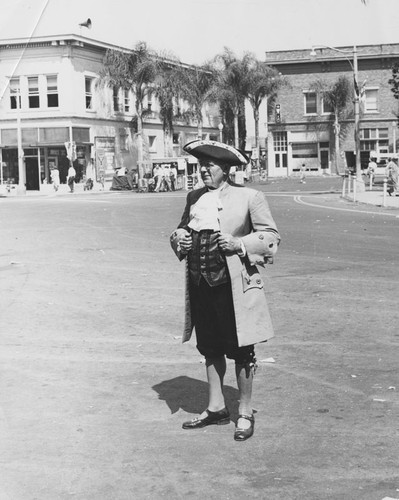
(216, 151)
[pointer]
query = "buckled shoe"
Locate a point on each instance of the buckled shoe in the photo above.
(243, 434)
(220, 417)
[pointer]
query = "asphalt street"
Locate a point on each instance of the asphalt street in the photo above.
(95, 383)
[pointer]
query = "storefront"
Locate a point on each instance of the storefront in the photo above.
(42, 150)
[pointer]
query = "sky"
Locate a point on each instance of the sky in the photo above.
(197, 30)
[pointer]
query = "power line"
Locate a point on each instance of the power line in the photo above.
(46, 2)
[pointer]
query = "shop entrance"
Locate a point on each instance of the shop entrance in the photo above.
(324, 158)
(32, 173)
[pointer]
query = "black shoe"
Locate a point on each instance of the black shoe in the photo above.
(220, 417)
(243, 434)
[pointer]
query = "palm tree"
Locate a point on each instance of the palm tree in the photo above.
(336, 98)
(136, 71)
(197, 88)
(263, 82)
(231, 84)
(166, 89)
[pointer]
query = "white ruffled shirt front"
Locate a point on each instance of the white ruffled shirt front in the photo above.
(204, 214)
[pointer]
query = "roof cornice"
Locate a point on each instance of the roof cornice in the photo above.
(326, 54)
(67, 39)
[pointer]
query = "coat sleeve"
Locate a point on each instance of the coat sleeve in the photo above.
(261, 245)
(181, 231)
(175, 239)
(182, 228)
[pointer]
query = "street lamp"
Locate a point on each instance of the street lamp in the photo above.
(220, 127)
(354, 66)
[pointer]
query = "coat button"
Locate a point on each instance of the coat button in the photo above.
(258, 281)
(261, 236)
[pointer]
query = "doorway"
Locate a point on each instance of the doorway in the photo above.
(280, 159)
(32, 173)
(280, 145)
(324, 159)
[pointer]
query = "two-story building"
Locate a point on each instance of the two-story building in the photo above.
(300, 127)
(52, 111)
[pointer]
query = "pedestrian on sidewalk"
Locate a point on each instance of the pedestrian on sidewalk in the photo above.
(371, 168)
(225, 232)
(173, 178)
(71, 178)
(392, 173)
(158, 174)
(55, 178)
(90, 175)
(302, 175)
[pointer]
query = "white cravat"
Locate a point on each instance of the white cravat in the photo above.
(204, 214)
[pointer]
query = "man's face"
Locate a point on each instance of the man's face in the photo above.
(212, 174)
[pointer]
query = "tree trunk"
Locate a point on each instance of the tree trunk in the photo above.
(336, 136)
(256, 120)
(139, 139)
(167, 135)
(236, 140)
(199, 128)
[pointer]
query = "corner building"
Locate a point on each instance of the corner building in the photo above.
(51, 110)
(303, 132)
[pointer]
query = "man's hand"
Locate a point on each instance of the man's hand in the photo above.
(185, 242)
(229, 243)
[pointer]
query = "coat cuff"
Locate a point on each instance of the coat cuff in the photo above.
(261, 246)
(175, 239)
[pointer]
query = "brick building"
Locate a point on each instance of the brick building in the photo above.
(300, 128)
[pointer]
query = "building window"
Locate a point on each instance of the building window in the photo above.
(374, 139)
(33, 92)
(383, 133)
(126, 101)
(152, 143)
(15, 95)
(373, 133)
(89, 92)
(310, 99)
(371, 101)
(326, 107)
(115, 98)
(304, 150)
(280, 141)
(52, 91)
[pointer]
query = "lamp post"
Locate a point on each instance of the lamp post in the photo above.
(220, 127)
(354, 66)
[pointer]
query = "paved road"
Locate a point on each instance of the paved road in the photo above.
(95, 383)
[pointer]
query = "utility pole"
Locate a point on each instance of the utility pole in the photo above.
(21, 189)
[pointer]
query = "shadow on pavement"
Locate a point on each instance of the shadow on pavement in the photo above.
(191, 395)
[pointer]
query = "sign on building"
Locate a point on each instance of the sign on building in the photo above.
(105, 157)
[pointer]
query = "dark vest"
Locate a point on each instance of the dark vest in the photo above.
(205, 259)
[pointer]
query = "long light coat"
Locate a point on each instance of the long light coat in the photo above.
(246, 215)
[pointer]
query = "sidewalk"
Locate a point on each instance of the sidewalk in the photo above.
(376, 198)
(332, 184)
(48, 190)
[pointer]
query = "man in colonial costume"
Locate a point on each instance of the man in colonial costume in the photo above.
(226, 231)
